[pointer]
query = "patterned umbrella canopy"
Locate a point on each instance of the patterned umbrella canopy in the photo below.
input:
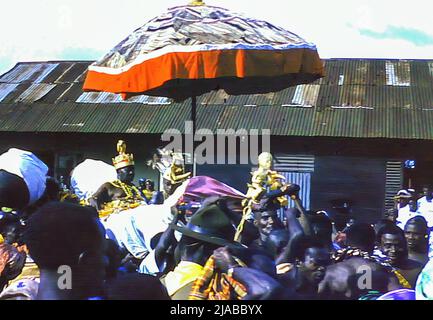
(193, 49)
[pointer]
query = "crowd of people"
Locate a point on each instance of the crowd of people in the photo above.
(199, 239)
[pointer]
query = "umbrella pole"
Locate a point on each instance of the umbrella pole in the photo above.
(193, 119)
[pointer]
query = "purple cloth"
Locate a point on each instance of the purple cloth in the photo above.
(201, 187)
(399, 294)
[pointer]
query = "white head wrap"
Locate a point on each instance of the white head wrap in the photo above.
(89, 175)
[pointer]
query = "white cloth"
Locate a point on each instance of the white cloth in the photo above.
(426, 207)
(27, 166)
(424, 283)
(89, 175)
(404, 214)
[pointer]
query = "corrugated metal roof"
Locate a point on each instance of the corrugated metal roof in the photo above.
(6, 88)
(35, 92)
(364, 98)
(34, 73)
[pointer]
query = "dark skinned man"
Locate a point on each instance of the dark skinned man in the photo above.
(393, 246)
(356, 271)
(304, 276)
(122, 193)
(417, 232)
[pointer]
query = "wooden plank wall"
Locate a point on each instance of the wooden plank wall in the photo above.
(361, 180)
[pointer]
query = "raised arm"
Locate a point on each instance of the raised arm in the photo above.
(164, 250)
(295, 231)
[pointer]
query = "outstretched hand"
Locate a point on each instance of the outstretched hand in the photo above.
(291, 189)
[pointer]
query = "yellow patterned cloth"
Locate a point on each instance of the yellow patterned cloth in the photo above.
(284, 267)
(402, 280)
(148, 194)
(213, 285)
(184, 273)
(116, 206)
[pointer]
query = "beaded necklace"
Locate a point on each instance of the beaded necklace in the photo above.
(346, 253)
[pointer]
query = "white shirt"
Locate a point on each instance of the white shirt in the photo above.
(426, 207)
(404, 214)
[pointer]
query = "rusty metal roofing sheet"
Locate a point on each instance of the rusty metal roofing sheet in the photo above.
(35, 92)
(107, 97)
(6, 88)
(33, 72)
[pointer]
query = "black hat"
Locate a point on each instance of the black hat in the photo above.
(13, 191)
(210, 224)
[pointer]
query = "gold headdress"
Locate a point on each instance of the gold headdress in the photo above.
(123, 159)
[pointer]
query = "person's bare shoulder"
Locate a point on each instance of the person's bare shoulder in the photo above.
(335, 282)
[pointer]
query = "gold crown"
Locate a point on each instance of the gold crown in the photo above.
(123, 159)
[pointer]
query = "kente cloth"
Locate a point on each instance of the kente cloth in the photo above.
(348, 252)
(11, 261)
(89, 175)
(184, 274)
(424, 283)
(30, 271)
(27, 166)
(25, 286)
(214, 285)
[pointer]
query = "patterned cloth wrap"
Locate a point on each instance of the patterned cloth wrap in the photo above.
(213, 285)
(346, 253)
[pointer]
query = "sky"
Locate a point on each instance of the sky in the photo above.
(47, 30)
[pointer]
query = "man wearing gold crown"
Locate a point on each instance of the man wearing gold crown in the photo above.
(120, 194)
(175, 174)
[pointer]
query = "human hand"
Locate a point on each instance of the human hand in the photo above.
(224, 259)
(290, 189)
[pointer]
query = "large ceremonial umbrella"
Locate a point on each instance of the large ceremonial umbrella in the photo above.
(193, 49)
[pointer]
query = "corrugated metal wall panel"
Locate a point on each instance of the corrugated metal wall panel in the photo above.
(303, 179)
(393, 182)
